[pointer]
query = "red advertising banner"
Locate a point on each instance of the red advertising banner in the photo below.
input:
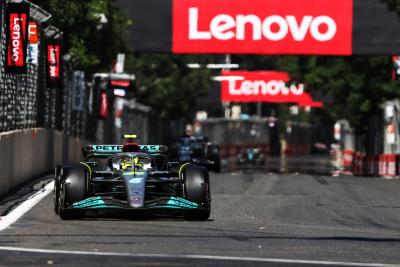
(53, 64)
(17, 20)
(120, 83)
(263, 86)
(263, 26)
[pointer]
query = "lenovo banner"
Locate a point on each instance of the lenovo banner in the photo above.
(334, 27)
(263, 26)
(53, 64)
(17, 20)
(262, 86)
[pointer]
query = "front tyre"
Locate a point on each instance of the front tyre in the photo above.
(73, 188)
(196, 184)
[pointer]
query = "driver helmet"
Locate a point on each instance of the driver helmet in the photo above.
(126, 164)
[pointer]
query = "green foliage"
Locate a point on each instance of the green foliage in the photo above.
(164, 81)
(352, 87)
(92, 45)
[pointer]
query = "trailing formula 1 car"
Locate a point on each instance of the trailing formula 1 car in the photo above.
(131, 179)
(250, 157)
(196, 150)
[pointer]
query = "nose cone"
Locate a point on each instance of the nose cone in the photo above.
(135, 184)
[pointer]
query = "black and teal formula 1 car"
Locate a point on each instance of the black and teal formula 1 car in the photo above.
(196, 150)
(139, 182)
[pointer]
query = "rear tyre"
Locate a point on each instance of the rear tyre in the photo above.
(73, 188)
(196, 184)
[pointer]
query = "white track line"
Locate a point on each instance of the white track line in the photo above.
(18, 212)
(199, 257)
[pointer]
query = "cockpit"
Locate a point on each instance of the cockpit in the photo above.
(131, 162)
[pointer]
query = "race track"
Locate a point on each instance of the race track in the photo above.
(254, 214)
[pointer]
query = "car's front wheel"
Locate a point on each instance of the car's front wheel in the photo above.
(72, 188)
(196, 184)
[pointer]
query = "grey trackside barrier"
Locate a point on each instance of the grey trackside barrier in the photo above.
(32, 152)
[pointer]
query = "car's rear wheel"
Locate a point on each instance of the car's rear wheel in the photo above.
(73, 188)
(196, 185)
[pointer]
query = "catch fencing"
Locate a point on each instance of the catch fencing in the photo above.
(235, 135)
(266, 134)
(18, 93)
(27, 102)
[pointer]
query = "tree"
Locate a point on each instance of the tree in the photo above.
(164, 81)
(352, 87)
(94, 31)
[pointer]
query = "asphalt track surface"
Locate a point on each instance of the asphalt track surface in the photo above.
(255, 214)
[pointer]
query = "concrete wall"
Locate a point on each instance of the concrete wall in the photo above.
(25, 154)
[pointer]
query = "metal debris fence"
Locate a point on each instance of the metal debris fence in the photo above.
(27, 102)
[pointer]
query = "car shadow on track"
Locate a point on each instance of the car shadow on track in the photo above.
(234, 237)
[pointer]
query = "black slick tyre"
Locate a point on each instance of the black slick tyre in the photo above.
(196, 184)
(73, 188)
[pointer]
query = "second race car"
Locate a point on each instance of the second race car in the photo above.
(196, 150)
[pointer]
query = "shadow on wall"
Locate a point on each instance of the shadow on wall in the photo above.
(25, 154)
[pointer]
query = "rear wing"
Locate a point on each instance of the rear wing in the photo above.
(109, 150)
(153, 149)
(101, 150)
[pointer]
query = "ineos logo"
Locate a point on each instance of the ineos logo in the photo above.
(274, 28)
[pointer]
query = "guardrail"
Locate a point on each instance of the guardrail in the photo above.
(360, 164)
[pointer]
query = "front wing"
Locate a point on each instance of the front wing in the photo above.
(160, 205)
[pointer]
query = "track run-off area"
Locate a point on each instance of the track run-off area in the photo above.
(258, 219)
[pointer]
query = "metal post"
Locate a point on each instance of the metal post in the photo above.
(259, 109)
(226, 105)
